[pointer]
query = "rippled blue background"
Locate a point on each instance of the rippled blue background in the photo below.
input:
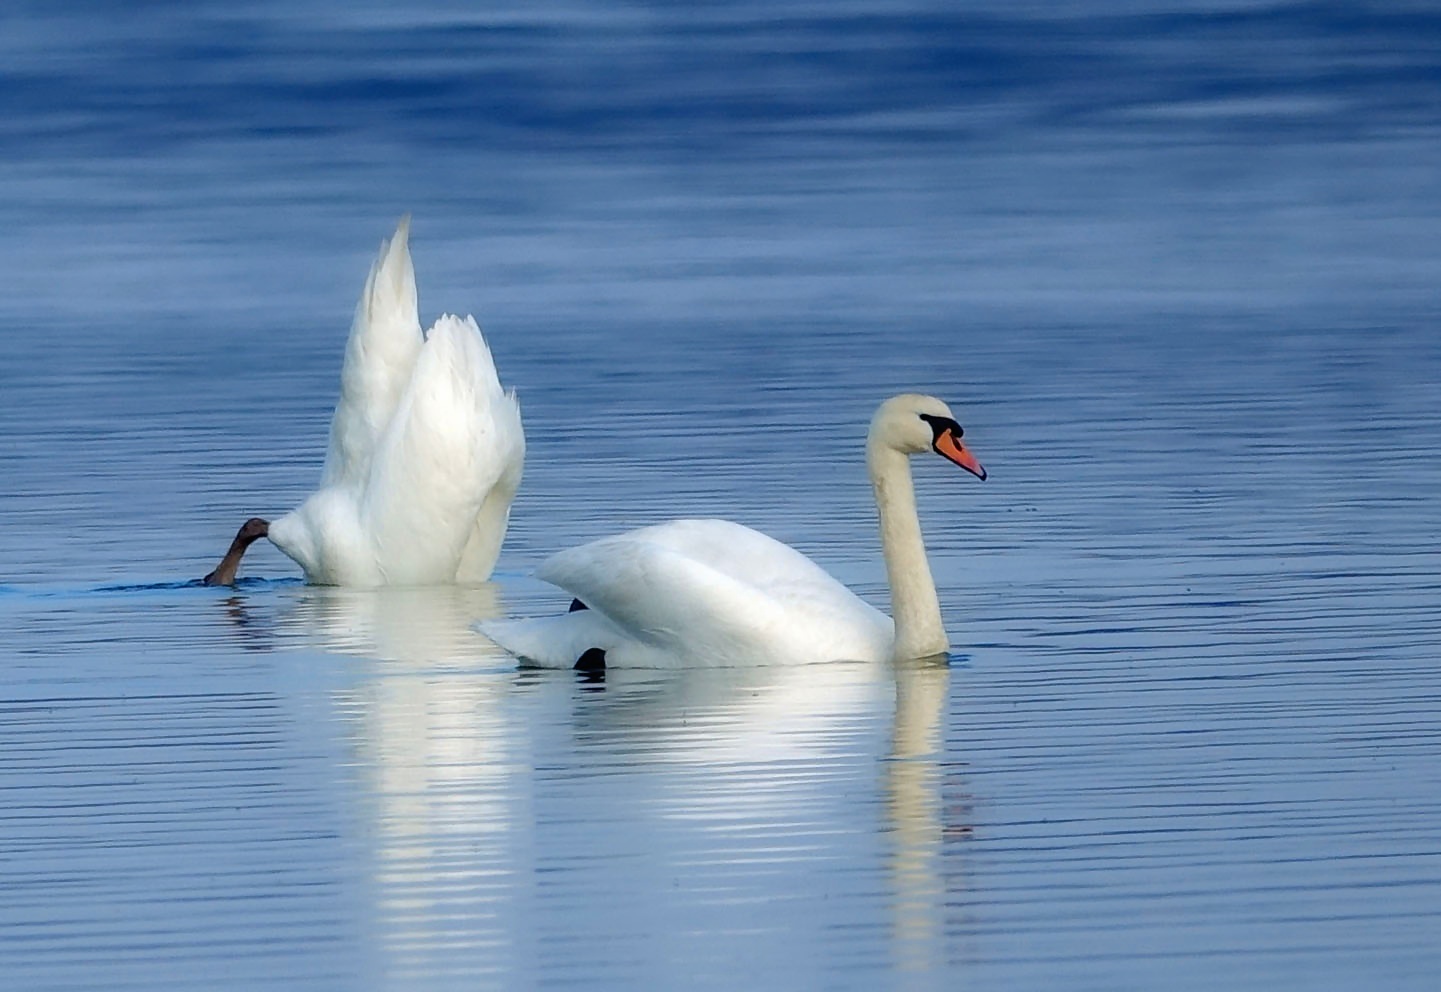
(1176, 266)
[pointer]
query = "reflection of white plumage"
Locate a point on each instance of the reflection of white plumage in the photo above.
(710, 592)
(425, 451)
(409, 625)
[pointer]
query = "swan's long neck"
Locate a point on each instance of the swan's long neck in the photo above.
(914, 604)
(250, 532)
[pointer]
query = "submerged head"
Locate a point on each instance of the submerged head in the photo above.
(912, 423)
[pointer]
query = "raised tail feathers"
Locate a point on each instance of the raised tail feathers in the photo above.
(380, 353)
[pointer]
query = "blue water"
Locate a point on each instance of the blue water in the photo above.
(1175, 265)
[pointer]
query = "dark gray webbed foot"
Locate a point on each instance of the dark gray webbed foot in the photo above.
(593, 660)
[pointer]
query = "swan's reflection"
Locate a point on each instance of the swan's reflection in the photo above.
(762, 782)
(428, 625)
(252, 632)
(431, 735)
(913, 784)
(500, 806)
(727, 717)
(765, 765)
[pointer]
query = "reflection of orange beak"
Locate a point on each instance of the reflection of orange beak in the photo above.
(951, 447)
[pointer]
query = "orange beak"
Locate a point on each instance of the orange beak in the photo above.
(950, 447)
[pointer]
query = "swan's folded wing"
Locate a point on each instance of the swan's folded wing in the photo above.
(506, 439)
(380, 356)
(782, 574)
(454, 439)
(745, 554)
(669, 601)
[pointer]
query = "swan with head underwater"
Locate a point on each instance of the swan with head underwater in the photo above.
(697, 593)
(425, 452)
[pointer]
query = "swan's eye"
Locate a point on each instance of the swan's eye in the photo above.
(940, 425)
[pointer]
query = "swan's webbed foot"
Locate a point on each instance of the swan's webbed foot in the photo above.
(576, 606)
(250, 532)
(593, 660)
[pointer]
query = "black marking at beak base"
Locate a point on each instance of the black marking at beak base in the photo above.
(942, 425)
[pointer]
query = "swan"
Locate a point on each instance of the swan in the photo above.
(425, 451)
(697, 593)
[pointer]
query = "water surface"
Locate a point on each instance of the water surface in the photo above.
(1175, 266)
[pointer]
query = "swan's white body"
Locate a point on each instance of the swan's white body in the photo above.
(696, 593)
(425, 453)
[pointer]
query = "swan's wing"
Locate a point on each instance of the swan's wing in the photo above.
(660, 598)
(454, 440)
(777, 569)
(380, 357)
(716, 593)
(507, 454)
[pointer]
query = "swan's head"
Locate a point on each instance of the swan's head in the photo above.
(912, 423)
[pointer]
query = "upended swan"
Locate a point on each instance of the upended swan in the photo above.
(425, 452)
(694, 593)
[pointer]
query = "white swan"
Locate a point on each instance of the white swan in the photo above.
(425, 451)
(695, 593)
